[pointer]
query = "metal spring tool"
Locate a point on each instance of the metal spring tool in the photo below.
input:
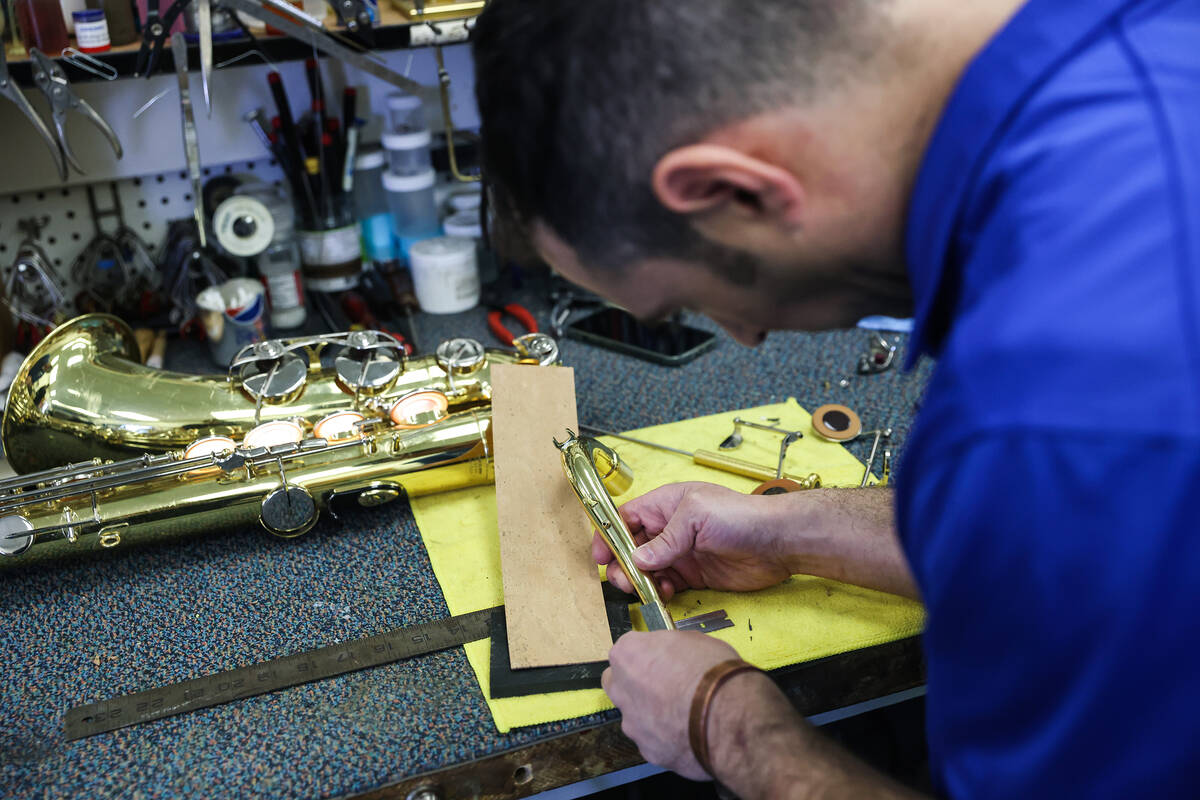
(734, 440)
(884, 435)
(712, 459)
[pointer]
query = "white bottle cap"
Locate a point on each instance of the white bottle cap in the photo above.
(464, 201)
(445, 274)
(398, 101)
(406, 141)
(371, 159)
(465, 225)
(408, 183)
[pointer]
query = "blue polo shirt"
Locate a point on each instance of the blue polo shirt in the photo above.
(1049, 499)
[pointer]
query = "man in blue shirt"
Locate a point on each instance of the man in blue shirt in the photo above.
(1027, 179)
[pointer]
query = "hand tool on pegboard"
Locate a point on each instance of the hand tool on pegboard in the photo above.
(52, 80)
(9, 89)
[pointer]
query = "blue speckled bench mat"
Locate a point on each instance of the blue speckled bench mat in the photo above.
(86, 629)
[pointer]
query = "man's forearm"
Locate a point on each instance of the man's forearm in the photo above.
(847, 535)
(761, 748)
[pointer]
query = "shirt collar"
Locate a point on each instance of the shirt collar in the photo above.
(996, 84)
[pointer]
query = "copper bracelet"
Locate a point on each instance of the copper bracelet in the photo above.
(702, 699)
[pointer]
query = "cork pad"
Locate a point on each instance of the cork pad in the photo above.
(553, 603)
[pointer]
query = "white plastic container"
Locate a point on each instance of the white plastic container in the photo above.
(414, 214)
(465, 225)
(279, 266)
(464, 201)
(406, 113)
(445, 274)
(371, 208)
(407, 153)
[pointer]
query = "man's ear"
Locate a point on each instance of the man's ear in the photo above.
(701, 179)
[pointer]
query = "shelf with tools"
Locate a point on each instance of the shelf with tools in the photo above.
(395, 30)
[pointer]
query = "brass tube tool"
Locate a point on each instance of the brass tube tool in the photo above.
(595, 473)
(713, 460)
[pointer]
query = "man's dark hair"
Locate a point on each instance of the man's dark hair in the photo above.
(580, 98)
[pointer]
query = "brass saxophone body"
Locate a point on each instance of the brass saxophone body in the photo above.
(372, 426)
(83, 392)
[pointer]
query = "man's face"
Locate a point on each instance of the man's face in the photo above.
(779, 297)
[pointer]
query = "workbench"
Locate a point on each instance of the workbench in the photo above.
(84, 629)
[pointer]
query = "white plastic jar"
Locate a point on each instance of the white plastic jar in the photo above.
(414, 214)
(408, 153)
(445, 274)
(406, 113)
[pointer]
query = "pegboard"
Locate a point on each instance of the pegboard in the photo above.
(148, 202)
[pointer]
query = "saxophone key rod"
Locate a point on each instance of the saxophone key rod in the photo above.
(69, 471)
(172, 467)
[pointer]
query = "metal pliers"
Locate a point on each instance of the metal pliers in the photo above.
(50, 78)
(155, 32)
(9, 89)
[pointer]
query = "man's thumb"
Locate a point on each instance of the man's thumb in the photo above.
(658, 553)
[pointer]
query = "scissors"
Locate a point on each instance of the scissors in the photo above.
(50, 78)
(9, 89)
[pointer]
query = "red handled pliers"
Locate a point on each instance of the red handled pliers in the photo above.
(517, 312)
(356, 308)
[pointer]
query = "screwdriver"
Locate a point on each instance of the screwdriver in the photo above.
(705, 458)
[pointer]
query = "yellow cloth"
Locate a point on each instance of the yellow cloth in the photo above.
(801, 619)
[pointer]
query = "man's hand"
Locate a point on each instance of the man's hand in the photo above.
(703, 536)
(698, 535)
(759, 746)
(651, 678)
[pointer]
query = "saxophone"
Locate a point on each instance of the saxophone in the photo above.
(83, 392)
(289, 436)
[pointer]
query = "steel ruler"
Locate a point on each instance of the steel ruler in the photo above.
(279, 673)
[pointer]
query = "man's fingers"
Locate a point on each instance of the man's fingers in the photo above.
(600, 551)
(606, 679)
(676, 580)
(619, 579)
(690, 574)
(673, 543)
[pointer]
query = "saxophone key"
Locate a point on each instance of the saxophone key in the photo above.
(208, 446)
(419, 409)
(274, 433)
(340, 426)
(288, 511)
(369, 364)
(15, 535)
